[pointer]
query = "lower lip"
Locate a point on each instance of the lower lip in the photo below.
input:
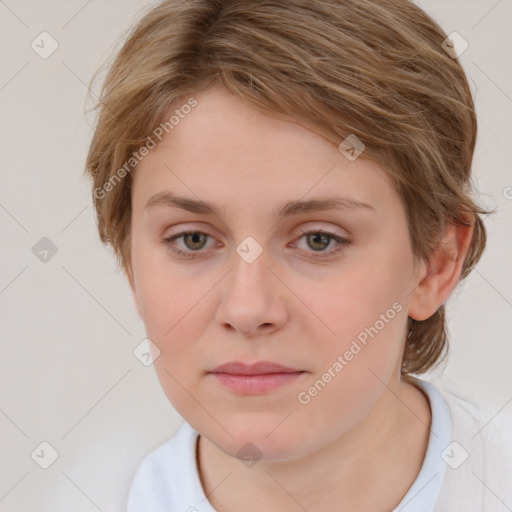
(255, 384)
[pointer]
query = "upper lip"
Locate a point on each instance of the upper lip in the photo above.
(259, 368)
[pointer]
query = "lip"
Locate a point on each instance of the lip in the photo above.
(257, 378)
(259, 368)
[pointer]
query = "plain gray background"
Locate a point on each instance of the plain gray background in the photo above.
(68, 375)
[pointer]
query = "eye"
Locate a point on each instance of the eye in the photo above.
(193, 240)
(317, 240)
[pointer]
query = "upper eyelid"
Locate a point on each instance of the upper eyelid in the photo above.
(303, 232)
(313, 225)
(319, 256)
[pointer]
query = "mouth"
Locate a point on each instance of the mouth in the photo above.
(258, 378)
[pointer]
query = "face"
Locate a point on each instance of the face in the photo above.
(322, 292)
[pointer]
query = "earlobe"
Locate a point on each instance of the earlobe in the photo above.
(438, 277)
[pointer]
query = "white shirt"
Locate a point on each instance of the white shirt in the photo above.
(466, 467)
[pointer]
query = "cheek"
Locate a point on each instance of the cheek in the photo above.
(367, 296)
(361, 335)
(174, 313)
(172, 308)
(175, 320)
(369, 319)
(168, 294)
(357, 365)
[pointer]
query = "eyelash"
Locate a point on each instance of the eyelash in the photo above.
(343, 243)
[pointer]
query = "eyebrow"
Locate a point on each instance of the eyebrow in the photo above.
(293, 207)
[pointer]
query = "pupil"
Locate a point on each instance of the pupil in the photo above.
(319, 237)
(195, 238)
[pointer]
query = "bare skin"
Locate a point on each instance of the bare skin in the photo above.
(360, 442)
(379, 463)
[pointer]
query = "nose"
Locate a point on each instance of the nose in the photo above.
(253, 298)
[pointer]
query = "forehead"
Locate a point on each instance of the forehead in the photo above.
(225, 152)
(224, 128)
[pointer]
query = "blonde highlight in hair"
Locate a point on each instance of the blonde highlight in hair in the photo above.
(373, 69)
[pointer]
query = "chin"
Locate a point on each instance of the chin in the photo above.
(260, 439)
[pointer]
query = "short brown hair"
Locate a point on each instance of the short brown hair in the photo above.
(374, 69)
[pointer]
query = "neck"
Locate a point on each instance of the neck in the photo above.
(384, 452)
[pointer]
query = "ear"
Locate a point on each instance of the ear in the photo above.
(438, 277)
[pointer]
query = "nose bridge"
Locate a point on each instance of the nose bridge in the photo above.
(250, 272)
(250, 296)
